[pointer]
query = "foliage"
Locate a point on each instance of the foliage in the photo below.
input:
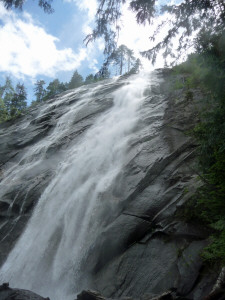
(12, 101)
(214, 253)
(18, 102)
(122, 60)
(136, 67)
(103, 73)
(55, 87)
(44, 4)
(7, 93)
(89, 79)
(183, 19)
(120, 57)
(3, 111)
(207, 69)
(76, 80)
(39, 90)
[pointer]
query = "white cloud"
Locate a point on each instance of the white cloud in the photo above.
(86, 29)
(93, 65)
(28, 50)
(88, 5)
(136, 37)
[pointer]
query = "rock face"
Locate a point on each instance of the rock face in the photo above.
(141, 248)
(93, 295)
(7, 293)
(146, 249)
(26, 168)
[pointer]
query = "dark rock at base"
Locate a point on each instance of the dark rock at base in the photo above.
(94, 295)
(7, 293)
(90, 295)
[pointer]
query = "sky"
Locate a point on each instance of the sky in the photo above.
(35, 45)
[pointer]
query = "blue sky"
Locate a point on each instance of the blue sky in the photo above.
(35, 45)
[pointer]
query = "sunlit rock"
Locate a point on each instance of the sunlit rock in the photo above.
(100, 172)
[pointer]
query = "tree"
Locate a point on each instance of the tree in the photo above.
(137, 66)
(7, 92)
(44, 4)
(1, 90)
(89, 79)
(18, 102)
(184, 18)
(205, 69)
(55, 87)
(120, 58)
(76, 80)
(3, 111)
(130, 58)
(39, 90)
(103, 73)
(13, 102)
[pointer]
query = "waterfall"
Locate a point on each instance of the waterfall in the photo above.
(49, 258)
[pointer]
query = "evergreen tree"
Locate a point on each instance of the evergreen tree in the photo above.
(130, 58)
(3, 111)
(39, 90)
(44, 4)
(55, 87)
(8, 93)
(103, 73)
(137, 66)
(33, 103)
(76, 80)
(18, 103)
(1, 91)
(89, 79)
(121, 53)
(120, 58)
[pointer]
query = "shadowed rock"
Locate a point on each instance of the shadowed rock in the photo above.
(7, 293)
(94, 295)
(142, 247)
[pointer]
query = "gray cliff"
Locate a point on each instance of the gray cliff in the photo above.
(142, 248)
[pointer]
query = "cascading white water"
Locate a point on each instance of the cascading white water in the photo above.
(65, 222)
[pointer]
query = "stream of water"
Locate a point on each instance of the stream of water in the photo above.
(47, 258)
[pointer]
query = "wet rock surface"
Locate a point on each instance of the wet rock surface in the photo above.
(8, 293)
(93, 295)
(26, 168)
(144, 249)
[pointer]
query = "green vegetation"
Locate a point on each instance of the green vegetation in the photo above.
(206, 69)
(3, 111)
(120, 62)
(12, 101)
(44, 4)
(123, 61)
(76, 81)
